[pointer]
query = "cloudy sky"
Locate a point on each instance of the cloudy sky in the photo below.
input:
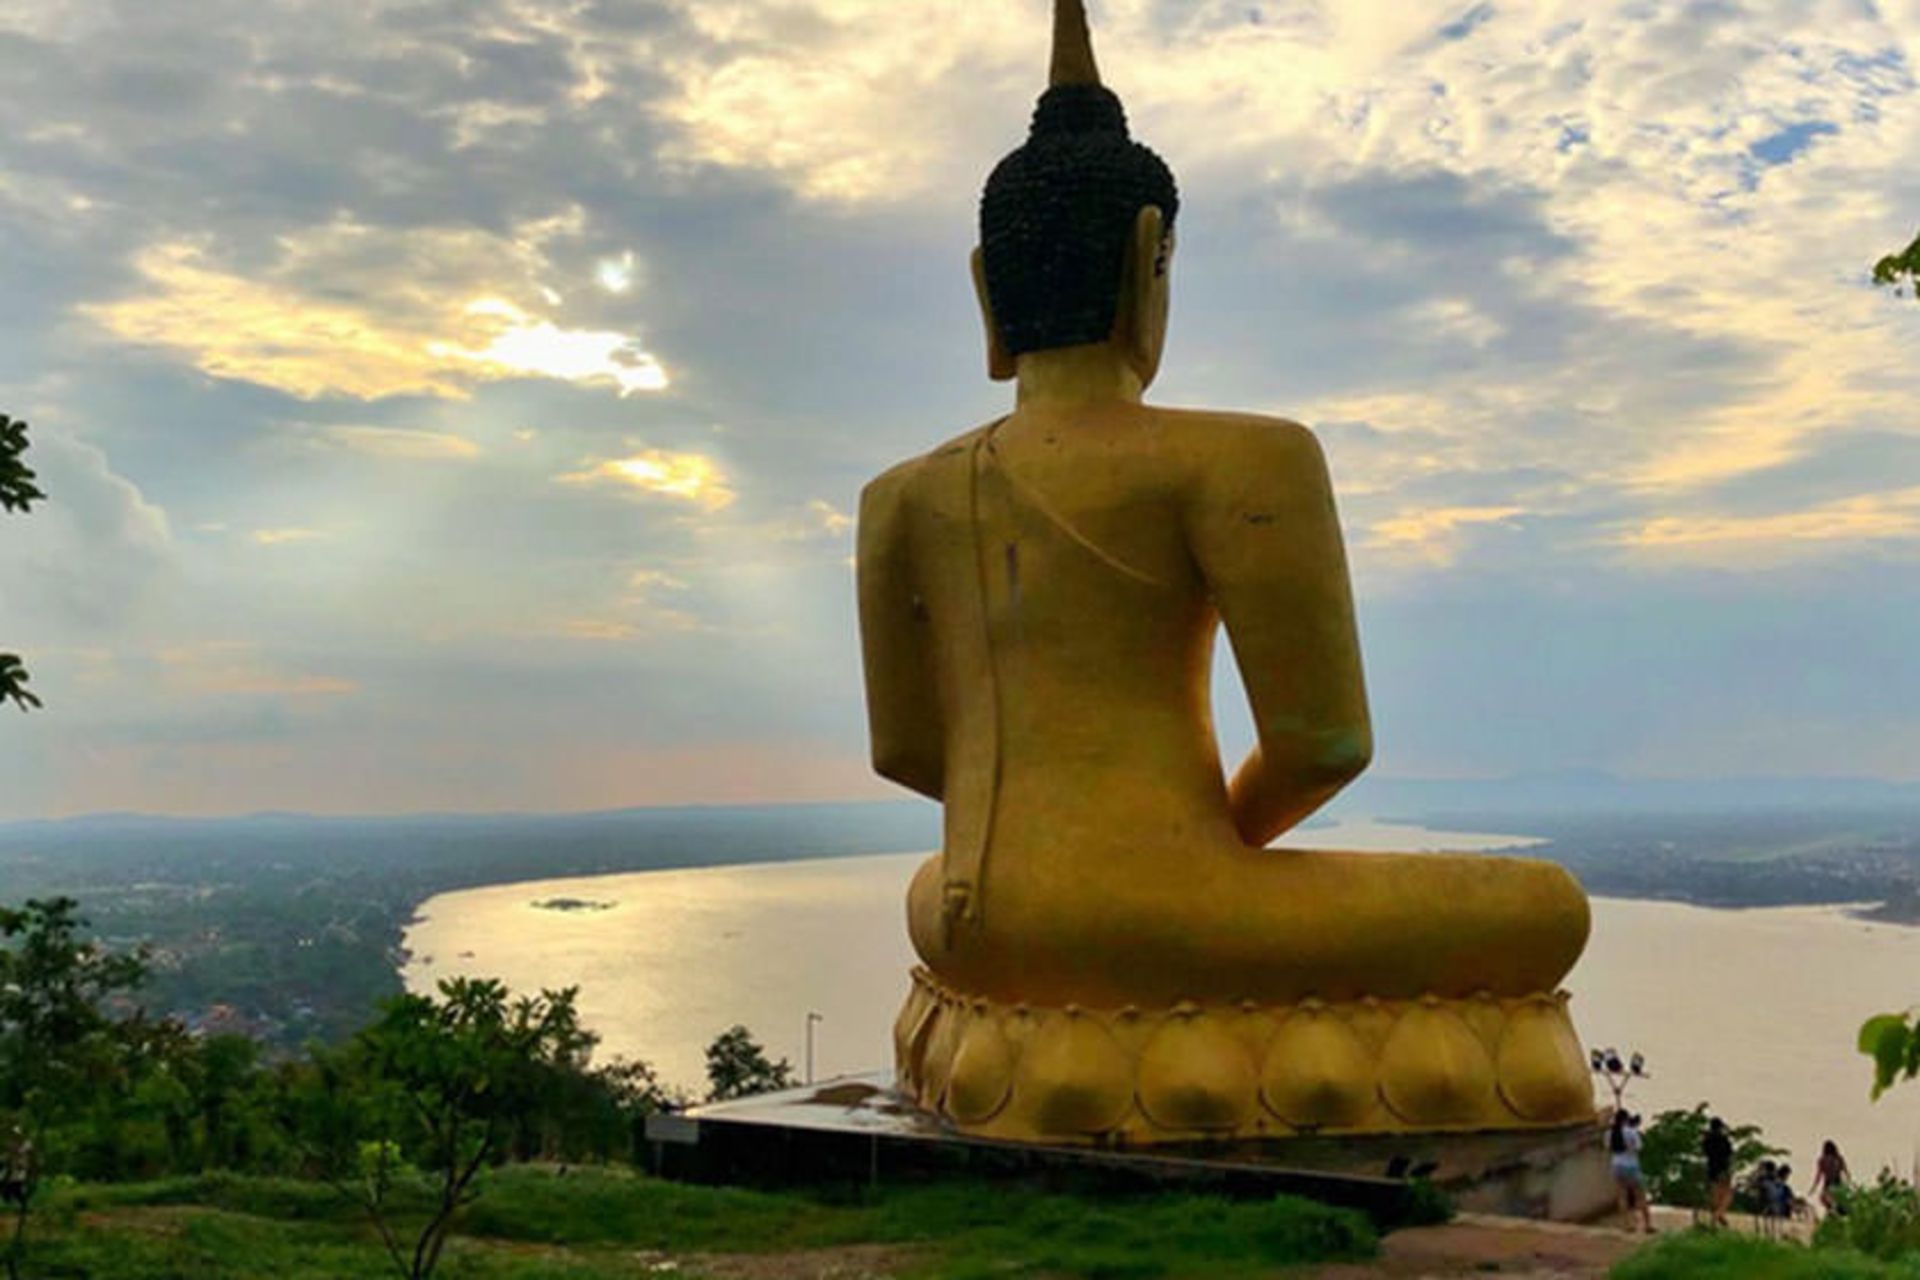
(460, 404)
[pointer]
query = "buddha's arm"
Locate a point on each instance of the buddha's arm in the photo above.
(1267, 538)
(903, 703)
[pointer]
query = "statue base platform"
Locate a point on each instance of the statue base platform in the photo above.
(860, 1130)
(1230, 1072)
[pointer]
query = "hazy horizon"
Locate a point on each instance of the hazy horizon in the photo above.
(1382, 798)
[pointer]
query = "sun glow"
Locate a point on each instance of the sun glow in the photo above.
(615, 275)
(687, 477)
(525, 346)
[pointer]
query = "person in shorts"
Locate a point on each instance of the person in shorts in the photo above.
(1717, 1147)
(1623, 1148)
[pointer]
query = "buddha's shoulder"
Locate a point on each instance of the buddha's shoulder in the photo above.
(897, 482)
(1236, 440)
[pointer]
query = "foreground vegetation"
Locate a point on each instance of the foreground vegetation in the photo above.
(539, 1222)
(1875, 1236)
(465, 1134)
(1702, 1255)
(402, 1123)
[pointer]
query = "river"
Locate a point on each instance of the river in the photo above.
(1754, 1011)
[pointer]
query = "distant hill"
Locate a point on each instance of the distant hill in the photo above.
(442, 851)
(776, 832)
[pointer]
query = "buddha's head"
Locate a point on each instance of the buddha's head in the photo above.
(1076, 227)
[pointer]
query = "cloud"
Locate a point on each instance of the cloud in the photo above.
(653, 622)
(831, 520)
(1853, 522)
(818, 519)
(645, 582)
(598, 629)
(398, 442)
(836, 98)
(350, 309)
(286, 536)
(1665, 145)
(685, 477)
(1430, 535)
(230, 669)
(94, 556)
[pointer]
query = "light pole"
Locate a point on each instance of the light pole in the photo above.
(1618, 1072)
(811, 1019)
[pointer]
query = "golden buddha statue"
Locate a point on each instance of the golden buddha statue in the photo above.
(1110, 952)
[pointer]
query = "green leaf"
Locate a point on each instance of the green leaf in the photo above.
(1873, 1028)
(1900, 271)
(1889, 1056)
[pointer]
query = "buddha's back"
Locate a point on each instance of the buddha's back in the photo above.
(1069, 566)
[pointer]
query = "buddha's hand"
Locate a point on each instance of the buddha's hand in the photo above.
(1248, 803)
(956, 905)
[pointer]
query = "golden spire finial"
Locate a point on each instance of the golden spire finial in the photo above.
(1072, 45)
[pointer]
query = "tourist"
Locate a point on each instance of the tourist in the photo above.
(1717, 1147)
(1765, 1179)
(1829, 1175)
(1623, 1142)
(1784, 1201)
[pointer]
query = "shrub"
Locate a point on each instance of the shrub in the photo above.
(1726, 1255)
(1426, 1206)
(1118, 1238)
(1882, 1220)
(1674, 1165)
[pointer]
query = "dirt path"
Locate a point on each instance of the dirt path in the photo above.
(1473, 1245)
(1469, 1246)
(1479, 1245)
(848, 1262)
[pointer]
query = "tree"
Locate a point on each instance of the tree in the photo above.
(18, 493)
(447, 1083)
(737, 1067)
(214, 1075)
(1900, 271)
(1892, 1040)
(56, 1043)
(1674, 1164)
(628, 1092)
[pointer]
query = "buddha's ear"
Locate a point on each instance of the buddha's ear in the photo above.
(1140, 327)
(1000, 366)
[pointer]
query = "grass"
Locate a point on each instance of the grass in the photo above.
(532, 1224)
(214, 1244)
(1701, 1255)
